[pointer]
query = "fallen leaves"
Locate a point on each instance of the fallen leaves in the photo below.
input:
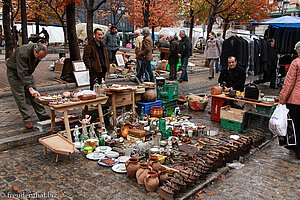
(210, 193)
(222, 176)
(102, 174)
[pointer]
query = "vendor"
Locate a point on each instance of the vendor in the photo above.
(234, 76)
(20, 68)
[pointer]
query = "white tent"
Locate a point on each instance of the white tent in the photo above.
(81, 30)
(197, 32)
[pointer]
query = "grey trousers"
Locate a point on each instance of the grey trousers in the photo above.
(20, 95)
(211, 67)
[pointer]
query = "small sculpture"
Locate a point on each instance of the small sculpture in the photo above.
(92, 132)
(84, 123)
(76, 133)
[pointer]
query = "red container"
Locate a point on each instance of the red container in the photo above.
(216, 104)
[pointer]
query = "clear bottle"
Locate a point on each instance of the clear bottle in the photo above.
(96, 88)
(142, 113)
(103, 88)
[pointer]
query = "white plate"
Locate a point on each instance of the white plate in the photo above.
(103, 149)
(112, 154)
(92, 156)
(123, 159)
(106, 165)
(119, 168)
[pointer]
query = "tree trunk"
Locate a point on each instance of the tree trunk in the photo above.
(24, 22)
(192, 23)
(89, 20)
(6, 26)
(146, 13)
(65, 35)
(153, 35)
(225, 28)
(211, 21)
(71, 29)
(37, 26)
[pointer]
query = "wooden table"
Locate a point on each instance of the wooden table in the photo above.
(120, 98)
(218, 101)
(76, 105)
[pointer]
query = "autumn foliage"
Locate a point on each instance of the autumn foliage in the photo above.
(157, 12)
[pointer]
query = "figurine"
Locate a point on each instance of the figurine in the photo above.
(76, 133)
(92, 132)
(84, 123)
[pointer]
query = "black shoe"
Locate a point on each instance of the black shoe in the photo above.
(209, 78)
(185, 80)
(180, 81)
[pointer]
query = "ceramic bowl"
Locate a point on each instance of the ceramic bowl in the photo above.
(112, 154)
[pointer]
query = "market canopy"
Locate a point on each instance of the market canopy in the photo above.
(285, 21)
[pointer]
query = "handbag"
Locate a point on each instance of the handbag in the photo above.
(291, 133)
(251, 91)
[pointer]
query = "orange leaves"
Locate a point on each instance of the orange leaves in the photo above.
(210, 193)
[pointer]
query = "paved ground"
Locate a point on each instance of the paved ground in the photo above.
(270, 173)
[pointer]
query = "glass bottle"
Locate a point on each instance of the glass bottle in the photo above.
(142, 113)
(96, 88)
(103, 88)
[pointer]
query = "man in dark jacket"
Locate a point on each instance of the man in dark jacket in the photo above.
(20, 68)
(173, 58)
(233, 76)
(95, 57)
(185, 51)
(272, 63)
(146, 55)
(112, 41)
(46, 35)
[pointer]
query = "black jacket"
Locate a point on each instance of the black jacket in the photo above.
(173, 54)
(185, 47)
(234, 78)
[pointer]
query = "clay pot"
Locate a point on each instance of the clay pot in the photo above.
(151, 181)
(154, 163)
(131, 167)
(156, 111)
(163, 175)
(177, 130)
(142, 172)
(150, 92)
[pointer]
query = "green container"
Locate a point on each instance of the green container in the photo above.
(268, 110)
(169, 107)
(232, 125)
(167, 92)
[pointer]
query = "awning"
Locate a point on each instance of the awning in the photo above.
(285, 21)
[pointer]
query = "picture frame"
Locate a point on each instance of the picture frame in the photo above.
(79, 66)
(82, 78)
(120, 60)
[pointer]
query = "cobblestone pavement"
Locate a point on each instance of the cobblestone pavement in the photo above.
(271, 173)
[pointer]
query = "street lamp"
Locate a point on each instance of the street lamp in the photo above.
(121, 11)
(282, 6)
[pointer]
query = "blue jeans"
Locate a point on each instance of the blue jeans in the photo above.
(138, 68)
(184, 63)
(145, 67)
(218, 67)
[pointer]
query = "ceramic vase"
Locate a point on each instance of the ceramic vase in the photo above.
(156, 111)
(131, 167)
(163, 175)
(154, 163)
(151, 181)
(142, 172)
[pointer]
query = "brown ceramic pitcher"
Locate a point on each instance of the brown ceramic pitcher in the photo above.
(151, 181)
(142, 172)
(154, 163)
(163, 175)
(131, 167)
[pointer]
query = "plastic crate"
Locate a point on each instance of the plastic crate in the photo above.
(265, 109)
(167, 92)
(232, 125)
(147, 106)
(169, 107)
(216, 104)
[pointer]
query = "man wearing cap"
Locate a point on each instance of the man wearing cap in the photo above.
(20, 67)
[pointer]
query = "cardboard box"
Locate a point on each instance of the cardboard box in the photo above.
(58, 67)
(162, 65)
(233, 114)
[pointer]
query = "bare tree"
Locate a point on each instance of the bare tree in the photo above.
(6, 26)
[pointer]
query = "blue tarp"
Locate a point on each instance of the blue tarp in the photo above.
(285, 21)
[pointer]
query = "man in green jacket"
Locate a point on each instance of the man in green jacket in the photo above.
(20, 68)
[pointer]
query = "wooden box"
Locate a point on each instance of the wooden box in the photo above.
(58, 67)
(232, 114)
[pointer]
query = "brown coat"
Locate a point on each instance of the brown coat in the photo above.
(212, 49)
(146, 51)
(91, 57)
(290, 92)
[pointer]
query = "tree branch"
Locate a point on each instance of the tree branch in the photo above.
(98, 5)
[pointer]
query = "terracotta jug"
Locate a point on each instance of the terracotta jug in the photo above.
(154, 163)
(142, 172)
(150, 93)
(163, 175)
(131, 167)
(156, 111)
(176, 130)
(151, 181)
